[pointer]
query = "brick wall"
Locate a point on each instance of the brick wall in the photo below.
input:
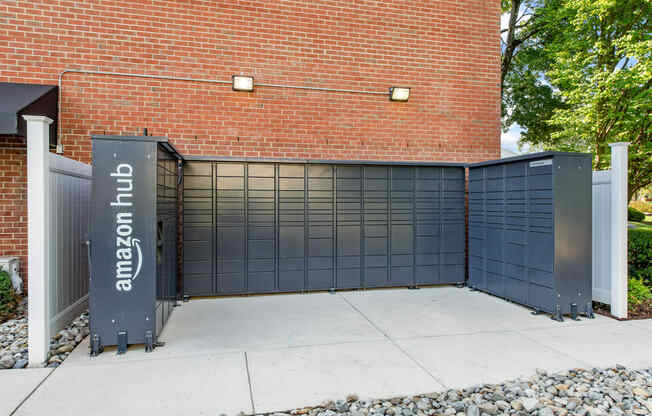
(13, 200)
(447, 51)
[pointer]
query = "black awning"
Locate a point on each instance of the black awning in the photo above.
(17, 100)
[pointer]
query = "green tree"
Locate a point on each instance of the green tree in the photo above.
(523, 24)
(585, 80)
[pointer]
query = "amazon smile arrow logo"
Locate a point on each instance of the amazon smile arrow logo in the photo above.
(136, 243)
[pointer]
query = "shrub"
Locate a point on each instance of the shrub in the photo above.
(634, 215)
(6, 293)
(642, 206)
(639, 254)
(637, 292)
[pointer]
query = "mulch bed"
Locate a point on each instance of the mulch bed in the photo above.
(12, 310)
(642, 311)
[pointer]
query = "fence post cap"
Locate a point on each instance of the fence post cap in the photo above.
(619, 144)
(44, 119)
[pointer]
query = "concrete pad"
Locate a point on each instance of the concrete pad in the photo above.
(81, 354)
(624, 343)
(642, 323)
(17, 385)
(402, 313)
(278, 321)
(304, 348)
(294, 377)
(207, 385)
(466, 360)
(207, 326)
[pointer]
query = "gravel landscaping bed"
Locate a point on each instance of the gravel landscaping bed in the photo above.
(13, 340)
(595, 392)
(62, 344)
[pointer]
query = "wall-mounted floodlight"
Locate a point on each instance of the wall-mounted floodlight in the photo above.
(399, 93)
(243, 83)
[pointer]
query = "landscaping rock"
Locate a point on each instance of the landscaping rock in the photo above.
(341, 406)
(596, 392)
(546, 411)
(573, 402)
(529, 403)
(473, 410)
(21, 363)
(66, 348)
(502, 405)
(13, 339)
(517, 405)
(615, 396)
(488, 408)
(640, 392)
(7, 361)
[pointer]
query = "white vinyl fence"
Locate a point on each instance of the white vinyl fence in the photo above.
(58, 210)
(70, 195)
(610, 232)
(602, 236)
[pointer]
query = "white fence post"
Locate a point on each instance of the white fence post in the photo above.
(38, 227)
(619, 229)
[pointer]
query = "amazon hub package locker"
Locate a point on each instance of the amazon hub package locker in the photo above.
(133, 240)
(530, 231)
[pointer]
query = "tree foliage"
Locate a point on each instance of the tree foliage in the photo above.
(523, 25)
(585, 80)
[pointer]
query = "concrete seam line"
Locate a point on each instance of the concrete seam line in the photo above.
(584, 363)
(32, 392)
(437, 380)
(251, 390)
(488, 331)
(365, 317)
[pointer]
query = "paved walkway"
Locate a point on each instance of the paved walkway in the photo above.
(272, 353)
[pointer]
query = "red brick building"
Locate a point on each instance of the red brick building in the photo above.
(446, 51)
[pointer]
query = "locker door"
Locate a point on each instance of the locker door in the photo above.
(321, 223)
(231, 233)
(198, 229)
(376, 226)
(261, 227)
(402, 226)
(452, 217)
(291, 227)
(349, 227)
(427, 225)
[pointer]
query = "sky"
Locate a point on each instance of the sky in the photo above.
(509, 139)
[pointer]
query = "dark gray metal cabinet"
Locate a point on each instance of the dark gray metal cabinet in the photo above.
(530, 230)
(167, 212)
(133, 284)
(271, 226)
